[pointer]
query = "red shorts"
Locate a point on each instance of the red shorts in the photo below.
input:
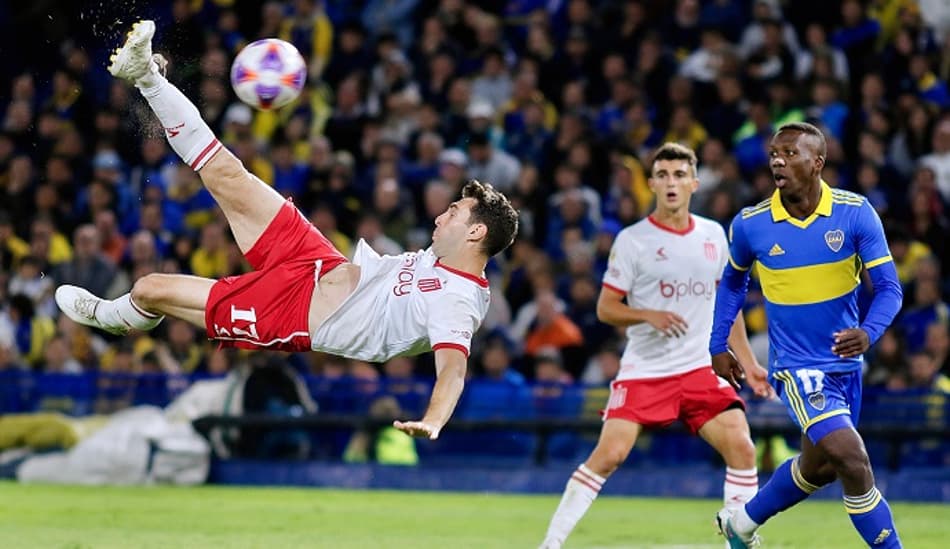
(269, 308)
(694, 397)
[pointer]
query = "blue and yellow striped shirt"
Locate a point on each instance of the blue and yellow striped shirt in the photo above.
(809, 270)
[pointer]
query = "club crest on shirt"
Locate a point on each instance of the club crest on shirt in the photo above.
(429, 284)
(817, 401)
(709, 248)
(834, 239)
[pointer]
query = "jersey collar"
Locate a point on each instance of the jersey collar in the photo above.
(480, 280)
(689, 228)
(779, 213)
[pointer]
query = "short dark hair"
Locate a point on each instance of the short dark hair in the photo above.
(675, 151)
(809, 129)
(494, 210)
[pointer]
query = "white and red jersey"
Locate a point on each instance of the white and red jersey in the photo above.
(404, 305)
(665, 269)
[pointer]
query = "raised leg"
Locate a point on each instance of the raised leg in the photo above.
(248, 203)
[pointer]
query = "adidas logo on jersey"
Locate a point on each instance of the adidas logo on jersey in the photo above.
(776, 250)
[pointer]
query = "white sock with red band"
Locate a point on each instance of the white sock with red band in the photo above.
(187, 133)
(739, 487)
(123, 312)
(579, 495)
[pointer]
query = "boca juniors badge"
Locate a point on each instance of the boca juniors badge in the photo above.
(834, 239)
(817, 401)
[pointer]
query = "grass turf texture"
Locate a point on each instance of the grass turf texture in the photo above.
(41, 516)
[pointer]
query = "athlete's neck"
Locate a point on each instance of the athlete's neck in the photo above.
(675, 219)
(471, 264)
(803, 203)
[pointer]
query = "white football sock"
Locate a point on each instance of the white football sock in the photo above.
(739, 487)
(579, 495)
(122, 311)
(743, 523)
(187, 133)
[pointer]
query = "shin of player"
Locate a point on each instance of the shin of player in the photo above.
(666, 268)
(810, 242)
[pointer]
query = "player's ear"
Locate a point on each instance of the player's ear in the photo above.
(477, 231)
(819, 163)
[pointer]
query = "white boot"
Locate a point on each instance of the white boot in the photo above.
(80, 306)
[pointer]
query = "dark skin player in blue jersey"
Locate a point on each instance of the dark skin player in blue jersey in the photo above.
(797, 156)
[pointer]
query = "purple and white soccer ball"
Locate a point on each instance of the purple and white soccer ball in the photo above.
(268, 74)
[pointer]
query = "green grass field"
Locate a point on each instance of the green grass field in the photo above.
(228, 517)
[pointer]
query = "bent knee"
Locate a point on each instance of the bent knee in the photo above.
(150, 290)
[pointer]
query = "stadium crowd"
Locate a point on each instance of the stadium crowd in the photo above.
(557, 103)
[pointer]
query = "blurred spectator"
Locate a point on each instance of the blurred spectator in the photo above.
(48, 244)
(113, 242)
(491, 165)
(939, 159)
(925, 373)
(937, 343)
(906, 251)
(309, 29)
(210, 259)
(493, 83)
(181, 354)
(925, 307)
(88, 267)
(551, 328)
(57, 358)
(819, 59)
(764, 13)
(887, 359)
(349, 53)
(391, 16)
(370, 229)
(496, 362)
(32, 282)
(31, 331)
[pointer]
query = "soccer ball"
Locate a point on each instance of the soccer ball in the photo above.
(268, 74)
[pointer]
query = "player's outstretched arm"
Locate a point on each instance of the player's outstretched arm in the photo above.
(450, 366)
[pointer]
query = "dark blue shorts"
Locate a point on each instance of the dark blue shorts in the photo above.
(819, 402)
